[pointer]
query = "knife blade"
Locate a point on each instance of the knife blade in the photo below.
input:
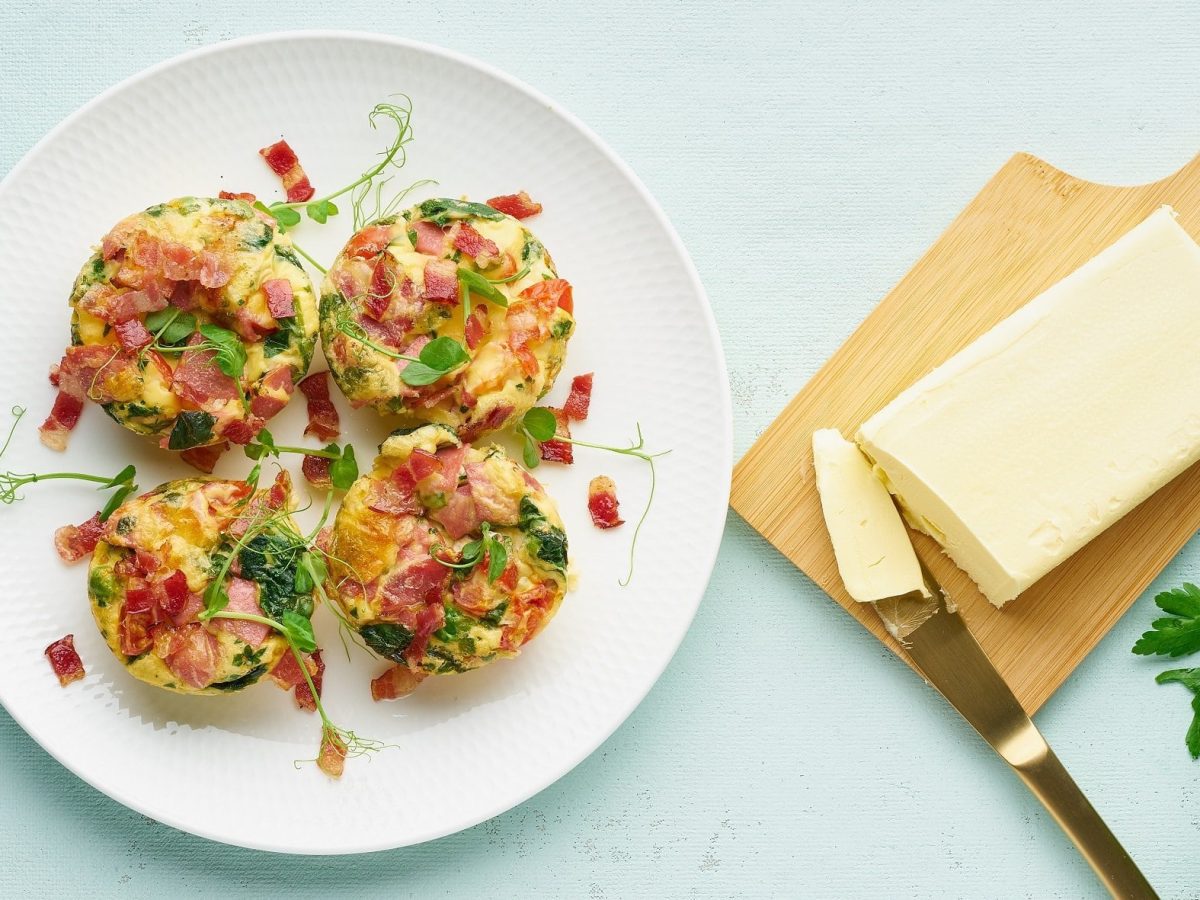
(934, 635)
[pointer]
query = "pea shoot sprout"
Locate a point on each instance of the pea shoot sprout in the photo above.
(539, 424)
(343, 468)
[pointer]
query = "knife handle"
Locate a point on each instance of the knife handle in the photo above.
(1049, 781)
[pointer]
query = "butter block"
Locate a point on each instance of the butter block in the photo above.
(1034, 439)
(874, 555)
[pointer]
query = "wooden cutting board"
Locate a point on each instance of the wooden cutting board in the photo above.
(1029, 227)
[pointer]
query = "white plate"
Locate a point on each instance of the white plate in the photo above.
(468, 746)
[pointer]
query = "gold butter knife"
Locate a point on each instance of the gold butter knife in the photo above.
(951, 660)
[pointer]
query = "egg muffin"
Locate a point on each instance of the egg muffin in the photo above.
(446, 556)
(191, 323)
(446, 269)
(157, 557)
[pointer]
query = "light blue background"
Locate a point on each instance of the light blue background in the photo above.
(807, 155)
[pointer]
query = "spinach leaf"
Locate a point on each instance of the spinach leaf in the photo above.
(442, 210)
(244, 681)
(545, 541)
(271, 561)
(192, 428)
(287, 253)
(387, 639)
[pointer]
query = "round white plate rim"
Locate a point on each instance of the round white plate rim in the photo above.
(724, 437)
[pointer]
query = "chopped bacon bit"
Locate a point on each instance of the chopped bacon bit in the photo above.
(284, 163)
(475, 245)
(280, 301)
(550, 293)
(179, 262)
(332, 759)
(602, 502)
(477, 326)
(215, 270)
(369, 242)
(239, 431)
(64, 660)
(175, 594)
(287, 672)
(460, 516)
(580, 398)
(237, 195)
(393, 497)
(133, 334)
(316, 470)
(419, 582)
(555, 450)
(322, 414)
(243, 598)
(304, 696)
(431, 239)
(192, 654)
(422, 464)
(273, 393)
(495, 418)
(198, 379)
(519, 205)
(441, 280)
(383, 284)
(204, 459)
(398, 681)
(63, 417)
(74, 542)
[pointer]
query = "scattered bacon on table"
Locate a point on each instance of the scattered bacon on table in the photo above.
(519, 205)
(288, 676)
(602, 502)
(64, 660)
(284, 163)
(323, 422)
(238, 195)
(316, 471)
(332, 759)
(555, 450)
(74, 542)
(580, 398)
(204, 459)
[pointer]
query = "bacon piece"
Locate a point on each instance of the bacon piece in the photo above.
(64, 415)
(474, 594)
(133, 334)
(204, 459)
(304, 695)
(550, 293)
(243, 598)
(64, 660)
(492, 503)
(180, 263)
(394, 497)
(478, 325)
(602, 502)
(175, 594)
(273, 393)
(191, 654)
(316, 470)
(284, 163)
(555, 450)
(580, 398)
(495, 418)
(74, 542)
(422, 464)
(287, 672)
(262, 505)
(384, 278)
(473, 244)
(431, 239)
(368, 243)
(332, 758)
(441, 281)
(418, 582)
(138, 617)
(398, 681)
(237, 195)
(198, 379)
(519, 205)
(280, 301)
(114, 305)
(323, 421)
(452, 460)
(239, 431)
(459, 516)
(215, 270)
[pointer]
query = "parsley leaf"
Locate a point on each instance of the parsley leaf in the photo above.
(1189, 678)
(1177, 636)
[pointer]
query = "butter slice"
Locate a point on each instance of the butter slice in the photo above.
(874, 555)
(1049, 428)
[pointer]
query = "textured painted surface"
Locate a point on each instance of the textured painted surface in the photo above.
(807, 158)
